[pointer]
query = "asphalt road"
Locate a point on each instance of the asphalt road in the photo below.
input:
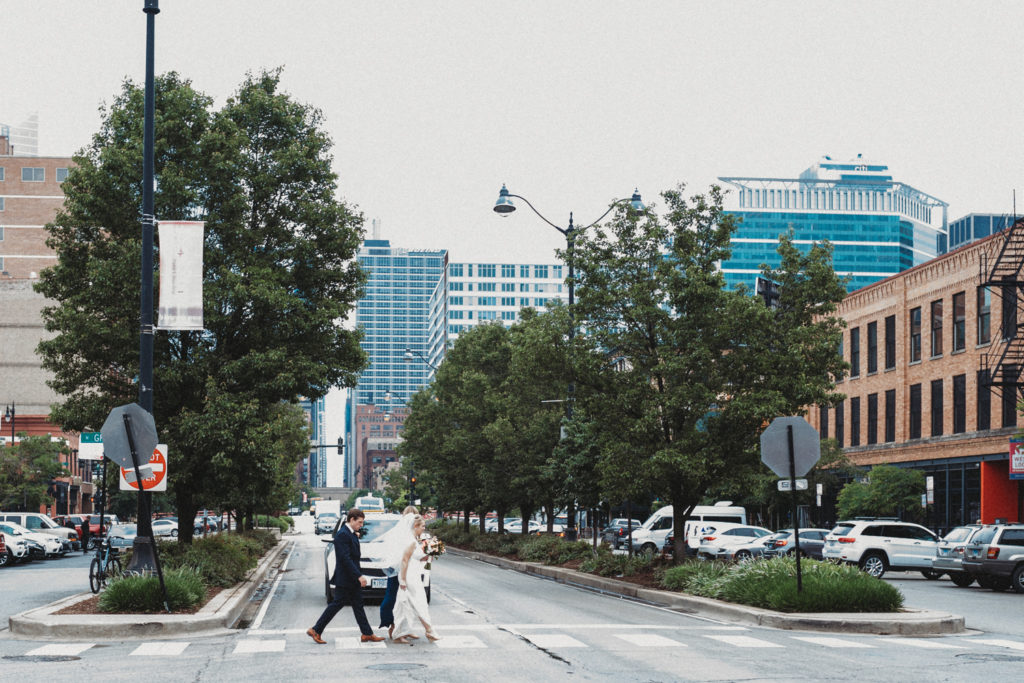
(501, 625)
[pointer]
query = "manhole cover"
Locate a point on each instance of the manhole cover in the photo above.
(396, 666)
(981, 657)
(42, 658)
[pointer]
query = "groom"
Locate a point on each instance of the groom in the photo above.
(348, 582)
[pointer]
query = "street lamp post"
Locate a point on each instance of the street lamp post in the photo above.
(411, 355)
(503, 207)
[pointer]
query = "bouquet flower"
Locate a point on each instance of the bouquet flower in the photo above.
(432, 547)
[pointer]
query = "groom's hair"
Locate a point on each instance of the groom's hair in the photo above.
(355, 513)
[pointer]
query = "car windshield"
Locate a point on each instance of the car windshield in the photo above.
(47, 523)
(11, 529)
(375, 528)
(961, 533)
(328, 515)
(841, 529)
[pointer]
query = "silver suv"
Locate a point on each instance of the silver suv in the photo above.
(995, 557)
(877, 545)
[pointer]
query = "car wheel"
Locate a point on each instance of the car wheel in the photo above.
(931, 574)
(874, 564)
(648, 549)
(1017, 580)
(743, 556)
(174, 532)
(961, 579)
(5, 558)
(986, 582)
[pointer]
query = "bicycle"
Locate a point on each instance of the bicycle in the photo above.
(104, 566)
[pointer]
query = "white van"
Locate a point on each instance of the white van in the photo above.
(651, 536)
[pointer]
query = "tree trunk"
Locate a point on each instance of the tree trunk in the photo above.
(570, 521)
(465, 521)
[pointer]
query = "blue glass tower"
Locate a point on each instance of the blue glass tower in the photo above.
(878, 226)
(974, 226)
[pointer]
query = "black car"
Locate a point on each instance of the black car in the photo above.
(811, 543)
(616, 534)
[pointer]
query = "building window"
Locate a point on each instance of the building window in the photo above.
(984, 315)
(540, 272)
(937, 407)
(1009, 394)
(61, 174)
(890, 342)
(539, 302)
(1009, 326)
(890, 416)
(455, 286)
(487, 286)
(959, 321)
(556, 271)
(455, 301)
(872, 418)
(823, 419)
(915, 334)
(486, 270)
(984, 401)
(915, 411)
(2, 203)
(487, 301)
(524, 287)
(937, 328)
(855, 421)
(854, 357)
(33, 174)
(2, 174)
(508, 271)
(455, 269)
(839, 423)
(959, 404)
(508, 315)
(508, 286)
(523, 301)
(524, 271)
(872, 347)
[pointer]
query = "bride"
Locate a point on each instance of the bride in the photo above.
(411, 605)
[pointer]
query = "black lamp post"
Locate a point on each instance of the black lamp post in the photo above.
(504, 206)
(411, 355)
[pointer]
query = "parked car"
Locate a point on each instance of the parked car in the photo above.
(326, 523)
(516, 527)
(616, 534)
(39, 545)
(166, 526)
(784, 543)
(878, 545)
(372, 561)
(720, 541)
(17, 549)
(995, 557)
(492, 524)
(122, 536)
(949, 554)
(40, 523)
(4, 558)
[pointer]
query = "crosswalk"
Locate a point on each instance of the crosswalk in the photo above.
(572, 637)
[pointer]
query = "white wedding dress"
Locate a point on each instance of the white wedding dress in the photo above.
(411, 606)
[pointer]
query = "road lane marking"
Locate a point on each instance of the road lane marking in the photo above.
(825, 641)
(353, 643)
(253, 645)
(456, 641)
(270, 596)
(923, 643)
(649, 640)
(553, 640)
(61, 649)
(743, 641)
(164, 649)
(1012, 644)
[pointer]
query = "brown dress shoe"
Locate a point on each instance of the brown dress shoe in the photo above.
(370, 639)
(316, 637)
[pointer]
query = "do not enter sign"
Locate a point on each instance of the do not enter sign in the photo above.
(154, 472)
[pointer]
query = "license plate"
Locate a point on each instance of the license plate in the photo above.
(379, 583)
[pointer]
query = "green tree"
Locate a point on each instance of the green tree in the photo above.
(889, 492)
(278, 274)
(26, 470)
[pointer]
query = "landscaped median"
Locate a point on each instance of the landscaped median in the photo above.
(220, 612)
(867, 605)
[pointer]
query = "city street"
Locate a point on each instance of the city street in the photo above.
(501, 625)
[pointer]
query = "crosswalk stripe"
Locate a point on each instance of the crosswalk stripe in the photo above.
(825, 641)
(251, 645)
(164, 649)
(550, 640)
(353, 643)
(743, 641)
(649, 640)
(924, 643)
(61, 649)
(1012, 644)
(459, 641)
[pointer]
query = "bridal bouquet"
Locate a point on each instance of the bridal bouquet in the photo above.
(433, 547)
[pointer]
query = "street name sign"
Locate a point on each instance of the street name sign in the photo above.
(784, 485)
(90, 446)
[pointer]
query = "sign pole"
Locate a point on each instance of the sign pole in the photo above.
(792, 499)
(144, 506)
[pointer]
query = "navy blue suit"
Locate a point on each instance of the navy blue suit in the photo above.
(346, 582)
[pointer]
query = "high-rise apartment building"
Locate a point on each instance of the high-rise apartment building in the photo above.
(877, 225)
(315, 466)
(482, 292)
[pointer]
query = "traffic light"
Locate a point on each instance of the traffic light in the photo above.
(412, 488)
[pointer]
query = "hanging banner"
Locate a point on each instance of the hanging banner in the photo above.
(1016, 458)
(181, 275)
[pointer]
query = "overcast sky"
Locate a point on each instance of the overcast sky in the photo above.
(433, 105)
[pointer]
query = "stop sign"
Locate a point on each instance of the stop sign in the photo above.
(775, 446)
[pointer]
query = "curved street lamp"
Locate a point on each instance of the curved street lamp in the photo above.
(411, 355)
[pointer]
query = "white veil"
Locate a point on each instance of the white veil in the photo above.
(396, 540)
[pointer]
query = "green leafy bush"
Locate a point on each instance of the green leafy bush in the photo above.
(553, 550)
(220, 559)
(268, 521)
(607, 564)
(185, 590)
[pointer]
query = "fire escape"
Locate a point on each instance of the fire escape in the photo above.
(1004, 276)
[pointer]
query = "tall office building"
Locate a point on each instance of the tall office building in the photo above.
(314, 466)
(974, 226)
(23, 137)
(482, 292)
(877, 225)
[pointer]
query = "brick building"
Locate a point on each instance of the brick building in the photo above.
(378, 431)
(924, 347)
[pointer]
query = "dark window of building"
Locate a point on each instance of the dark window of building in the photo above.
(959, 321)
(937, 328)
(959, 404)
(937, 407)
(1009, 327)
(890, 342)
(915, 334)
(984, 401)
(855, 421)
(823, 418)
(890, 415)
(840, 409)
(984, 315)
(872, 347)
(855, 352)
(872, 418)
(1009, 394)
(915, 411)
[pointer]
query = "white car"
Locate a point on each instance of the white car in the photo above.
(516, 527)
(51, 545)
(165, 527)
(877, 545)
(719, 540)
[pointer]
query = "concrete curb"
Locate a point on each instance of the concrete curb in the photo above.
(909, 622)
(218, 614)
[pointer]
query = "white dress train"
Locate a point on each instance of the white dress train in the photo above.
(411, 606)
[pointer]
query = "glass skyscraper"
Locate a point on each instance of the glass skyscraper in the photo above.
(878, 226)
(974, 226)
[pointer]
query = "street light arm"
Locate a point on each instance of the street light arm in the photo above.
(612, 206)
(539, 214)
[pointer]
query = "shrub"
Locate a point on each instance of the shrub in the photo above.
(552, 550)
(607, 564)
(220, 559)
(268, 521)
(185, 590)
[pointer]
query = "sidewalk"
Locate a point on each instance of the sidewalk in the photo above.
(909, 622)
(217, 615)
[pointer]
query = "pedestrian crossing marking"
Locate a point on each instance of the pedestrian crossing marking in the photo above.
(743, 641)
(825, 641)
(251, 645)
(1012, 644)
(649, 640)
(61, 649)
(167, 648)
(353, 643)
(551, 640)
(923, 643)
(458, 641)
